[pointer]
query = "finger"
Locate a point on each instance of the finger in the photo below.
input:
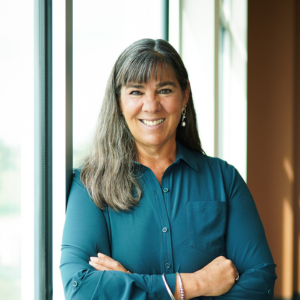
(104, 260)
(237, 276)
(236, 273)
(110, 263)
(234, 270)
(99, 267)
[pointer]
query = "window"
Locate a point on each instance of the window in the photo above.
(16, 149)
(232, 82)
(211, 38)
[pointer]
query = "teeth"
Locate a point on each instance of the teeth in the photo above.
(152, 123)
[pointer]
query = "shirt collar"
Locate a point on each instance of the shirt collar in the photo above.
(187, 155)
(183, 153)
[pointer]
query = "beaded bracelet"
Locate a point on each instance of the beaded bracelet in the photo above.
(181, 287)
(167, 287)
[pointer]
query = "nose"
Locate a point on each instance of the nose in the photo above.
(151, 103)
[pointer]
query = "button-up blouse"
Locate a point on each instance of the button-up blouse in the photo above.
(202, 209)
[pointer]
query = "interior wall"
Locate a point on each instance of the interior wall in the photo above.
(273, 130)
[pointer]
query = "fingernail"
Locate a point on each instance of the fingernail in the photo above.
(93, 258)
(100, 255)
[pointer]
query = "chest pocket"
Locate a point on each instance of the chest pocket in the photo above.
(206, 221)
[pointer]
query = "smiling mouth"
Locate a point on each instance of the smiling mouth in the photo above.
(152, 123)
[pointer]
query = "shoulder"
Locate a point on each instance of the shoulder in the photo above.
(77, 189)
(205, 163)
(202, 162)
(217, 164)
(215, 170)
(76, 177)
(79, 197)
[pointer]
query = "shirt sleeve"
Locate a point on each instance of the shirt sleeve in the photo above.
(246, 245)
(85, 234)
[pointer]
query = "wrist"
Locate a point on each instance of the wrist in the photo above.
(190, 286)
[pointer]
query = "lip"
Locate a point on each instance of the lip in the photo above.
(147, 119)
(152, 126)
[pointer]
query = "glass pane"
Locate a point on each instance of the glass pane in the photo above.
(102, 30)
(233, 85)
(16, 149)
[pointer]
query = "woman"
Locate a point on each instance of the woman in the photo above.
(150, 215)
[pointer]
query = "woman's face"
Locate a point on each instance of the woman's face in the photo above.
(152, 110)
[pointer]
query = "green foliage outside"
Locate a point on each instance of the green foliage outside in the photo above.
(10, 283)
(10, 181)
(10, 206)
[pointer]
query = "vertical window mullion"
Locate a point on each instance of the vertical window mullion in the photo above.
(43, 150)
(217, 110)
(165, 19)
(69, 94)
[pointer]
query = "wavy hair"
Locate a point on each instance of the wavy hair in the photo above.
(110, 173)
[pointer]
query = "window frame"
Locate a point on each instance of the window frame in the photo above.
(43, 151)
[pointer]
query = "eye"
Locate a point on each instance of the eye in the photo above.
(165, 91)
(135, 93)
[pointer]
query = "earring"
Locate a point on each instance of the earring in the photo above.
(183, 112)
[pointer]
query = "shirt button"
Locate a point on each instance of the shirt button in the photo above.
(165, 229)
(74, 283)
(165, 190)
(167, 265)
(269, 292)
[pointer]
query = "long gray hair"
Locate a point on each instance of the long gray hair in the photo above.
(110, 173)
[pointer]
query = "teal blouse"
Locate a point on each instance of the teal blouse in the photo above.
(201, 210)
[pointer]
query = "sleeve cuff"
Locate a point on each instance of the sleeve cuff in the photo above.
(159, 290)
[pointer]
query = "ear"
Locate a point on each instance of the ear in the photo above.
(186, 94)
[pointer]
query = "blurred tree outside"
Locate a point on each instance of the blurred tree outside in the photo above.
(9, 180)
(10, 222)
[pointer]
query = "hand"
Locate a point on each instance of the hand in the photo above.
(217, 278)
(105, 263)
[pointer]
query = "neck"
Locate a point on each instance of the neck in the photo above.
(158, 159)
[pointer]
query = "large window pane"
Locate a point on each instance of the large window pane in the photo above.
(233, 84)
(102, 30)
(16, 149)
(198, 53)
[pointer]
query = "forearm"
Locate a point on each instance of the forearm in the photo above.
(247, 246)
(255, 283)
(88, 283)
(215, 279)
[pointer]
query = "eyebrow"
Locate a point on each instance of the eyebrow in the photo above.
(159, 85)
(136, 86)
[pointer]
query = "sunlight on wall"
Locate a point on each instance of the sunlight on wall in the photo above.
(287, 253)
(288, 169)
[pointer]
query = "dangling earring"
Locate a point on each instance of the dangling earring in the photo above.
(183, 112)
